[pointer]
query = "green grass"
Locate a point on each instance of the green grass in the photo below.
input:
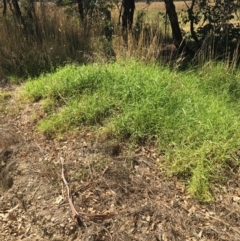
(192, 116)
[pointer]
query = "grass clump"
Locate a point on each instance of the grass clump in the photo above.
(4, 96)
(192, 116)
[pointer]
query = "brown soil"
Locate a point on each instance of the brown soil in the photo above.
(119, 194)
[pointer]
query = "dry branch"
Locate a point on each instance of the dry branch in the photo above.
(78, 216)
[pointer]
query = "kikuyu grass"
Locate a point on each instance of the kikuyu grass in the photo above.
(193, 116)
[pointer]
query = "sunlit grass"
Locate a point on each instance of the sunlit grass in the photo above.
(192, 116)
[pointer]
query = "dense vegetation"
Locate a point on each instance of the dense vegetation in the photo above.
(192, 117)
(129, 83)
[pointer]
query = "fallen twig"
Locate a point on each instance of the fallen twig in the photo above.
(79, 215)
(75, 214)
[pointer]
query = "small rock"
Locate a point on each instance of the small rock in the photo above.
(48, 217)
(236, 199)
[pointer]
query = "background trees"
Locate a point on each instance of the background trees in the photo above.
(196, 28)
(216, 22)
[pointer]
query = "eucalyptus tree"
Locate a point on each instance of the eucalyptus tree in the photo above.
(13, 6)
(215, 24)
(218, 20)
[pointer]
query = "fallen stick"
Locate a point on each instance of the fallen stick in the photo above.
(75, 214)
(78, 215)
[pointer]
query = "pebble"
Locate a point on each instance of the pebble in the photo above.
(236, 199)
(48, 217)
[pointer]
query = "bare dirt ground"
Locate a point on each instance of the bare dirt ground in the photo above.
(119, 194)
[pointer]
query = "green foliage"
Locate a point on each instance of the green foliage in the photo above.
(215, 21)
(191, 116)
(199, 184)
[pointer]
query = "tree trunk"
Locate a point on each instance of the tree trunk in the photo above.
(192, 19)
(128, 12)
(176, 32)
(179, 42)
(16, 8)
(80, 9)
(4, 7)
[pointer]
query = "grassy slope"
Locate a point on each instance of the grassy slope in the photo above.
(193, 116)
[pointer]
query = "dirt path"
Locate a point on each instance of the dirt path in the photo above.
(121, 195)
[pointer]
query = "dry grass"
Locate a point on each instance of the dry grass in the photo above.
(160, 5)
(50, 39)
(150, 37)
(153, 8)
(55, 38)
